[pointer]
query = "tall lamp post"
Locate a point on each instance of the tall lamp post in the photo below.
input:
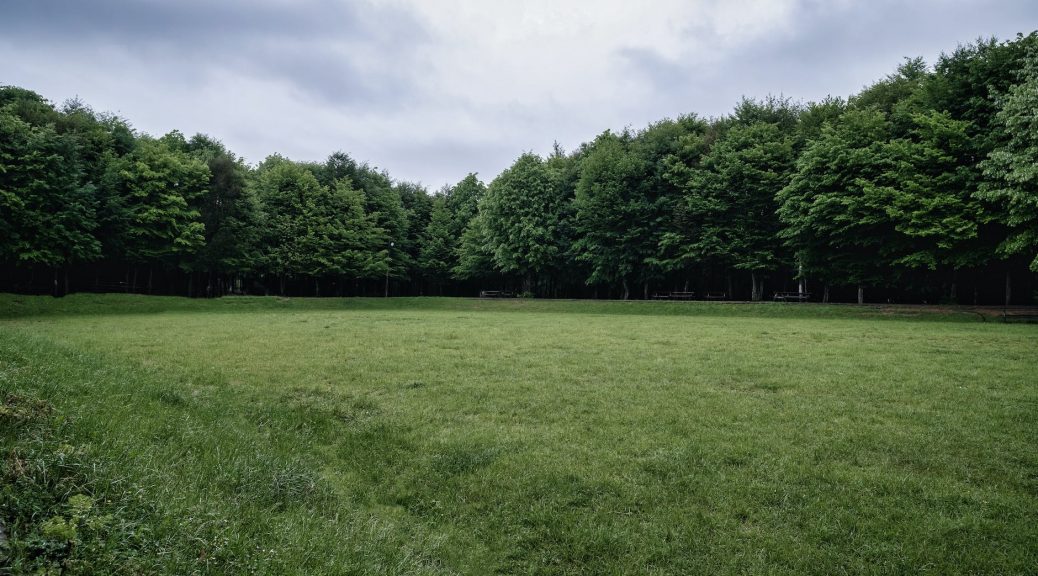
(388, 260)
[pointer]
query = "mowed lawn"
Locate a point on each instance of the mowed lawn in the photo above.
(440, 436)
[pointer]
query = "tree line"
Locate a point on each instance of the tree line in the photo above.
(922, 187)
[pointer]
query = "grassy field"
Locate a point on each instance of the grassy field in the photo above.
(439, 436)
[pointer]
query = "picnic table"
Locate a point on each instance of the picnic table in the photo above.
(1025, 315)
(716, 295)
(495, 294)
(674, 296)
(792, 296)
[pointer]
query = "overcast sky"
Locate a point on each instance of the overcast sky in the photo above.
(431, 90)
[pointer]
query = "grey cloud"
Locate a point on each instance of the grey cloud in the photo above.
(652, 65)
(310, 45)
(834, 49)
(447, 162)
(329, 77)
(194, 21)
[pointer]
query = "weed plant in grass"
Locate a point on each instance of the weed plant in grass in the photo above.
(438, 436)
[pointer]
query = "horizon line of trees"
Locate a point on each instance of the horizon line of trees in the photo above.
(922, 187)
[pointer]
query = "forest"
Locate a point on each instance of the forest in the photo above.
(920, 188)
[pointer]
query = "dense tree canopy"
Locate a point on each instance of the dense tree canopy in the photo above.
(834, 217)
(921, 187)
(729, 206)
(612, 214)
(1012, 168)
(521, 211)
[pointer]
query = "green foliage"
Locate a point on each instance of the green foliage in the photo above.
(47, 216)
(834, 219)
(969, 82)
(384, 205)
(437, 258)
(781, 112)
(622, 199)
(899, 97)
(475, 259)
(314, 231)
(928, 187)
(611, 215)
(729, 207)
(1012, 168)
(231, 215)
(462, 202)
(919, 181)
(159, 187)
(28, 106)
(520, 214)
(815, 115)
(418, 206)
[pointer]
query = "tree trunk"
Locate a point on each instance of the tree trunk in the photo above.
(1009, 288)
(627, 291)
(728, 282)
(66, 279)
(861, 294)
(645, 296)
(191, 285)
(317, 287)
(754, 290)
(825, 294)
(133, 286)
(527, 285)
(54, 287)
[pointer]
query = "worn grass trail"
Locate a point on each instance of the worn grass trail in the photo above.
(457, 436)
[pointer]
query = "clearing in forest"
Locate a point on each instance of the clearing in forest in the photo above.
(461, 436)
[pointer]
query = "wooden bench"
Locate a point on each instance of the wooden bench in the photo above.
(716, 296)
(674, 296)
(792, 296)
(495, 294)
(1023, 316)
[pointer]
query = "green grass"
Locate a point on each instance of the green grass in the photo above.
(438, 436)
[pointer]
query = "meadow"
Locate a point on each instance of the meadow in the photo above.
(456, 436)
